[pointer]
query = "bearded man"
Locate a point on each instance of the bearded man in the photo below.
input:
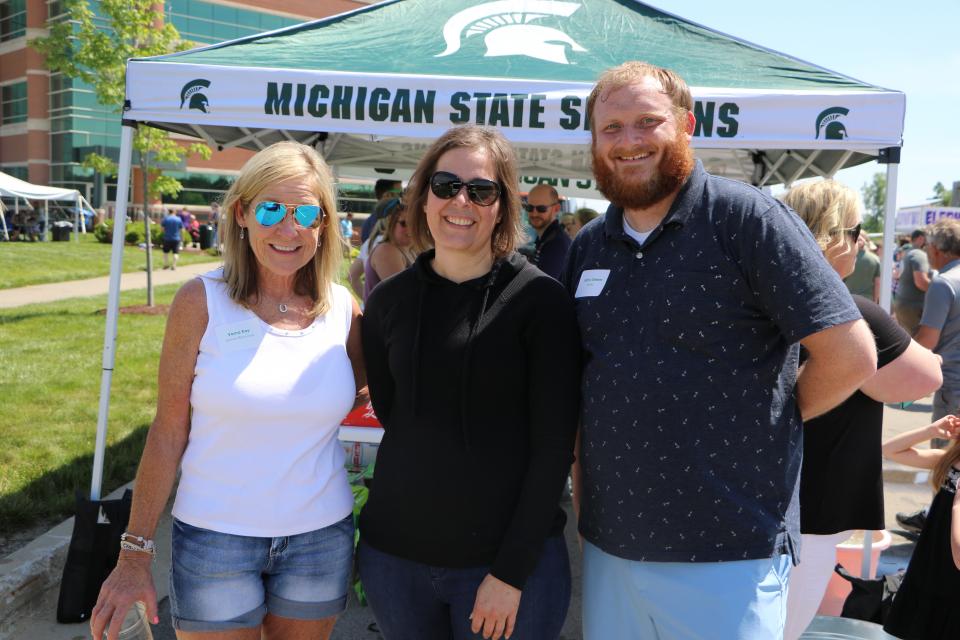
(694, 294)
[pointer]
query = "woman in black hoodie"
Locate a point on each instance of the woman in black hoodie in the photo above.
(473, 362)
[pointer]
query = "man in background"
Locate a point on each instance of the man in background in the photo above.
(913, 283)
(383, 190)
(552, 244)
(865, 279)
(172, 235)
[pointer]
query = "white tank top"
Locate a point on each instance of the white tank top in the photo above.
(262, 458)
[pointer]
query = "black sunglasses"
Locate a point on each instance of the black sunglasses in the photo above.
(447, 185)
(854, 232)
(540, 208)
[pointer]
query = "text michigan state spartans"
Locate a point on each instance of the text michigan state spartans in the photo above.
(418, 106)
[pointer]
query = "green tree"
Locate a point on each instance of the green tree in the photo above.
(80, 48)
(941, 195)
(874, 201)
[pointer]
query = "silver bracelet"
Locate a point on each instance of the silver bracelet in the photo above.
(130, 542)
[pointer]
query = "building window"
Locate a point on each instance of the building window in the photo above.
(14, 101)
(17, 171)
(13, 19)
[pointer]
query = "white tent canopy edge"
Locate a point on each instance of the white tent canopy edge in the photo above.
(17, 189)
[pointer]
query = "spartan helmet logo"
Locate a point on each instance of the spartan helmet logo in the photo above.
(830, 122)
(193, 91)
(506, 24)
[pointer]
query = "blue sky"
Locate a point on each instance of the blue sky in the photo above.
(912, 47)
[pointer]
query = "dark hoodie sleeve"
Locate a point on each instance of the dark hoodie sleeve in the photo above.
(379, 378)
(552, 348)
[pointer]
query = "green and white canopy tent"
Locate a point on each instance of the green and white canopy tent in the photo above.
(373, 87)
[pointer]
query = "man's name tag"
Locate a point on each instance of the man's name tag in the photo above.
(239, 335)
(591, 283)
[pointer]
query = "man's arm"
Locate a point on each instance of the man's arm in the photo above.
(927, 336)
(921, 279)
(840, 359)
(876, 290)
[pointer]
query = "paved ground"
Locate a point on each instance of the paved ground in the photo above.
(97, 286)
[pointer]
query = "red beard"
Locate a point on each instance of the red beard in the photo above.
(673, 170)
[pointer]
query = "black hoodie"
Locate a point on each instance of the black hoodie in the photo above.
(479, 398)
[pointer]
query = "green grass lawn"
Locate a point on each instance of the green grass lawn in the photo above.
(26, 263)
(50, 366)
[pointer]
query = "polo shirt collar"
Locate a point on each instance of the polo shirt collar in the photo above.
(950, 265)
(684, 205)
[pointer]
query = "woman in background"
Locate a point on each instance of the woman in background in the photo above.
(841, 480)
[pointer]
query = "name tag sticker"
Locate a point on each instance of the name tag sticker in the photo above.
(591, 283)
(239, 335)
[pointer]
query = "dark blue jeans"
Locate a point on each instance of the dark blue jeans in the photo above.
(414, 601)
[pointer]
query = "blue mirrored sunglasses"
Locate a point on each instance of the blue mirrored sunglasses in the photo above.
(270, 213)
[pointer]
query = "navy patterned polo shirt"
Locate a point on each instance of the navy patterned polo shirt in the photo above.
(691, 435)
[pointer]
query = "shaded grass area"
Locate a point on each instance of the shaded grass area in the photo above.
(50, 368)
(27, 263)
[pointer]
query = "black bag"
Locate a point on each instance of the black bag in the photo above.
(870, 600)
(94, 549)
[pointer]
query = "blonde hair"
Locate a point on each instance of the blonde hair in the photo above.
(633, 72)
(508, 231)
(942, 468)
(825, 206)
(277, 163)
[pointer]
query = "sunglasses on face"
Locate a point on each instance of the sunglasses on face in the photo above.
(539, 208)
(446, 185)
(854, 232)
(270, 213)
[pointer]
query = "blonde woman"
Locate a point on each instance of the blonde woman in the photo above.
(261, 360)
(841, 483)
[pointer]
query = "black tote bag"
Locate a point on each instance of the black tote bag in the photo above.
(94, 549)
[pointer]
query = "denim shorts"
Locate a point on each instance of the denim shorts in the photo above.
(220, 581)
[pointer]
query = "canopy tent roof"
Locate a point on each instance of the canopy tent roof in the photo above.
(11, 187)
(372, 87)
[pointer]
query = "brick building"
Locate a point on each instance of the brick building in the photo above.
(49, 123)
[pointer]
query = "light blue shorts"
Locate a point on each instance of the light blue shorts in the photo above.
(630, 600)
(220, 581)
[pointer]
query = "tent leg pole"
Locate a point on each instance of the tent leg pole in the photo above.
(889, 243)
(46, 221)
(113, 308)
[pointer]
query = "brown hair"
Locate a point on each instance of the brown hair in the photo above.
(942, 468)
(507, 232)
(277, 163)
(632, 72)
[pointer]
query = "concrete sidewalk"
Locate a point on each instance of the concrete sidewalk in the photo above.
(98, 286)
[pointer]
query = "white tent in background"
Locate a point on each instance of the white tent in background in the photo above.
(17, 189)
